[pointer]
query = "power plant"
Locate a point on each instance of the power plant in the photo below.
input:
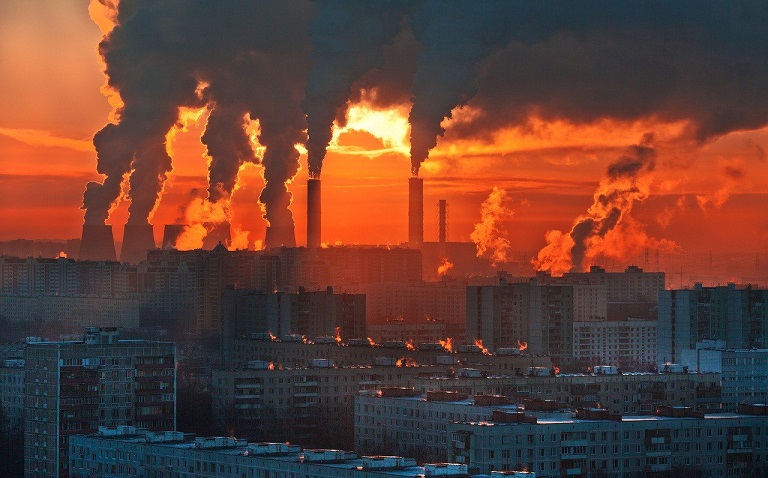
(97, 243)
(137, 240)
(313, 213)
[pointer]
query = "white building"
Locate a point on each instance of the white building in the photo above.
(127, 452)
(402, 421)
(594, 443)
(744, 372)
(630, 343)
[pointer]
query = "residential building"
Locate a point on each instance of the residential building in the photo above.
(12, 390)
(286, 403)
(403, 421)
(127, 452)
(677, 442)
(625, 393)
(74, 387)
(736, 315)
(630, 344)
(744, 372)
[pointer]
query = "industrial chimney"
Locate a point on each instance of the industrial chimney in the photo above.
(313, 213)
(442, 206)
(97, 243)
(171, 234)
(137, 240)
(415, 211)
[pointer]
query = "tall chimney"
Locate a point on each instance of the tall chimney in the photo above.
(171, 234)
(137, 240)
(442, 206)
(97, 243)
(313, 213)
(415, 211)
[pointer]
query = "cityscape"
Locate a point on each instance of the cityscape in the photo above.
(391, 239)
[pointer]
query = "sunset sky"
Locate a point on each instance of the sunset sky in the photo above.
(705, 193)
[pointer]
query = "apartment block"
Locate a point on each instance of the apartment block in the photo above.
(72, 388)
(676, 442)
(630, 344)
(127, 452)
(736, 315)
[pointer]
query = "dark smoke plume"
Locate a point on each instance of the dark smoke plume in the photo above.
(348, 39)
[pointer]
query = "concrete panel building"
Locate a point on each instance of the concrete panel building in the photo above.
(72, 388)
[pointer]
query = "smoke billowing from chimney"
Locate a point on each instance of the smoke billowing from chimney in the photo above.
(488, 234)
(347, 41)
(607, 228)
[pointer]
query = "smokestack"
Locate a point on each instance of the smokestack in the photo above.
(171, 233)
(415, 211)
(97, 243)
(442, 206)
(137, 240)
(313, 213)
(219, 234)
(279, 236)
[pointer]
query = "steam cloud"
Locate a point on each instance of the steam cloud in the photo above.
(487, 235)
(294, 66)
(607, 228)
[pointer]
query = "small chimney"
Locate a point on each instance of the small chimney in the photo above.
(313, 213)
(415, 211)
(137, 240)
(97, 243)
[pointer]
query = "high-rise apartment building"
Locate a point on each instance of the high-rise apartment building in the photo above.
(72, 388)
(736, 315)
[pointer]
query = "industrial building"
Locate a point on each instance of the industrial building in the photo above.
(72, 388)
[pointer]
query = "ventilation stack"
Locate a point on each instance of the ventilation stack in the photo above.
(137, 240)
(442, 220)
(171, 234)
(219, 233)
(97, 243)
(313, 213)
(415, 211)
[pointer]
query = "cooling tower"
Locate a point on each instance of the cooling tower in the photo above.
(313, 213)
(278, 236)
(415, 211)
(97, 243)
(218, 234)
(442, 207)
(137, 240)
(171, 233)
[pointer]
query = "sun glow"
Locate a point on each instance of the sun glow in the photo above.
(390, 126)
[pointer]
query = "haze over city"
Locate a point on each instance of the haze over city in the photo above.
(383, 239)
(540, 114)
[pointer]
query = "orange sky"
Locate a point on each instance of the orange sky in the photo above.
(52, 105)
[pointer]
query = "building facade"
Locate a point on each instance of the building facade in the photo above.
(72, 388)
(630, 344)
(736, 315)
(594, 444)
